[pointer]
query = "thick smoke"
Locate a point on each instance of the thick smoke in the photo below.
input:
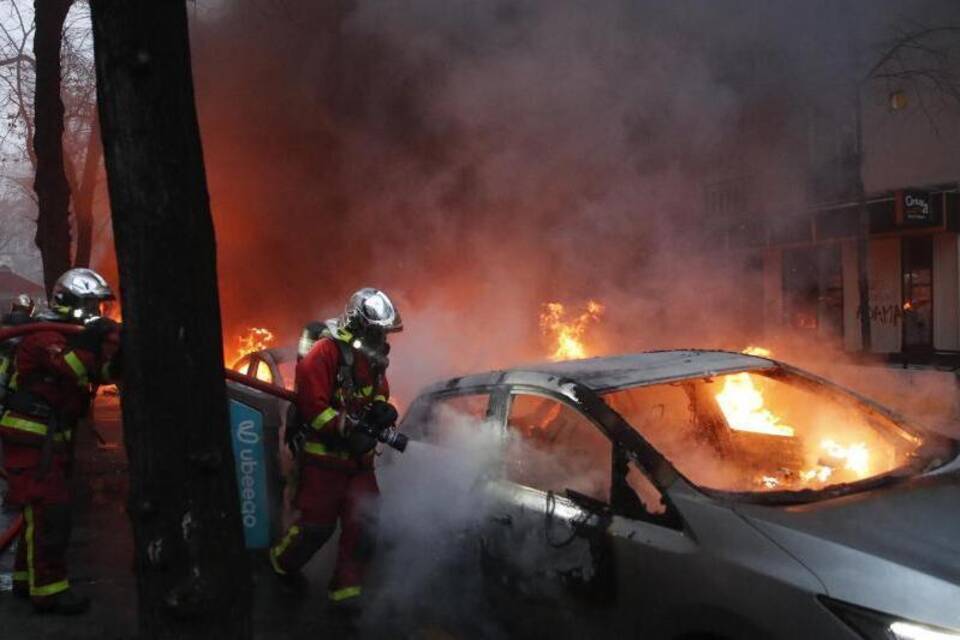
(478, 159)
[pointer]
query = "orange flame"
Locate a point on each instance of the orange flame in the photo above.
(254, 339)
(566, 335)
(742, 405)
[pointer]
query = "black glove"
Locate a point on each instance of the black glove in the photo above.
(380, 416)
(94, 334)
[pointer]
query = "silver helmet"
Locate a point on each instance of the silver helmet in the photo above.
(79, 294)
(372, 309)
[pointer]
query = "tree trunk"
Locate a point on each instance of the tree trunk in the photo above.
(83, 193)
(50, 183)
(192, 574)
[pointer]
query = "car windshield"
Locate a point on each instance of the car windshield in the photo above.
(770, 431)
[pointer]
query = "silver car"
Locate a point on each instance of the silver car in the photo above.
(703, 494)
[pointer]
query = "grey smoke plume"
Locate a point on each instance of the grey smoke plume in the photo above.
(478, 159)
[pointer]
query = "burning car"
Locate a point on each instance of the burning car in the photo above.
(682, 494)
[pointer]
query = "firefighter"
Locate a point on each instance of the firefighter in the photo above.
(51, 391)
(21, 311)
(342, 400)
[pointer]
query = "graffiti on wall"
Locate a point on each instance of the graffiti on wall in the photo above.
(884, 314)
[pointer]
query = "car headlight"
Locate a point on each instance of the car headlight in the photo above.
(874, 625)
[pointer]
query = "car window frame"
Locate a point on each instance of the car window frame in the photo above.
(508, 391)
(420, 409)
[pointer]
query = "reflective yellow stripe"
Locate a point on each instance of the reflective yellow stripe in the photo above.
(35, 590)
(292, 533)
(380, 398)
(320, 449)
(21, 576)
(4, 365)
(50, 589)
(345, 593)
(367, 391)
(32, 426)
(79, 369)
(28, 536)
(323, 418)
(23, 424)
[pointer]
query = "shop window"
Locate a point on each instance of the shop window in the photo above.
(801, 288)
(917, 292)
(831, 292)
(813, 290)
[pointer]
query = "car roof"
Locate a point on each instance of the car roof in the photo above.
(617, 372)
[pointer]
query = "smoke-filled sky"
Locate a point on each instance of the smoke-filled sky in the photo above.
(476, 159)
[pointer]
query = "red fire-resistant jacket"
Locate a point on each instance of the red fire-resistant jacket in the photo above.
(320, 401)
(59, 376)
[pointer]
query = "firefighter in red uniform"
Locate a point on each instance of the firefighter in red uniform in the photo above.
(342, 400)
(51, 391)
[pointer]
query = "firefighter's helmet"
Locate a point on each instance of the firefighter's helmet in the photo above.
(371, 310)
(79, 295)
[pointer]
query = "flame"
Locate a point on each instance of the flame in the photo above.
(856, 457)
(254, 339)
(566, 335)
(757, 351)
(742, 405)
(908, 305)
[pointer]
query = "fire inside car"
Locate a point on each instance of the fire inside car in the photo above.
(765, 431)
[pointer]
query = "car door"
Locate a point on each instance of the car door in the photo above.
(545, 547)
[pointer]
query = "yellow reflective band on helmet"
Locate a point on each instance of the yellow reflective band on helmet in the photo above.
(320, 449)
(345, 593)
(79, 369)
(12, 421)
(324, 417)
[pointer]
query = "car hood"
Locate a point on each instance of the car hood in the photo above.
(894, 549)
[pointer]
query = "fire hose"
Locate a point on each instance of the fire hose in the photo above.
(9, 333)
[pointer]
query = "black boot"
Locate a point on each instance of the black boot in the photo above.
(67, 603)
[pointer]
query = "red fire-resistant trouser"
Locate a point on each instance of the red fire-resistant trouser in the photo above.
(326, 496)
(40, 565)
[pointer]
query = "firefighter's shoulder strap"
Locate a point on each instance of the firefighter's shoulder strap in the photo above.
(345, 380)
(345, 371)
